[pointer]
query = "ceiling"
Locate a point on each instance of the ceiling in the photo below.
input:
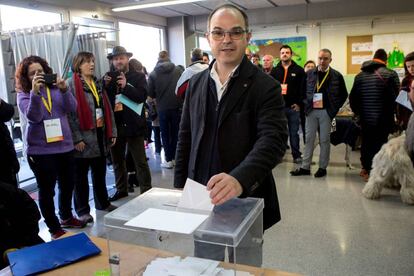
(204, 7)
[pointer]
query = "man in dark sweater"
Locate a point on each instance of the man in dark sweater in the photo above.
(373, 98)
(9, 165)
(325, 94)
(125, 87)
(290, 75)
(161, 86)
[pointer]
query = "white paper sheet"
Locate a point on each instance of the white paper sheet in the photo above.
(164, 220)
(404, 100)
(195, 196)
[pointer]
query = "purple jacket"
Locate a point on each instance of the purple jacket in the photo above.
(32, 107)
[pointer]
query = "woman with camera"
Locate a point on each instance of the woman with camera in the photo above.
(46, 102)
(94, 131)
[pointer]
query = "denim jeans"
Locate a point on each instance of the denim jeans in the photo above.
(293, 118)
(169, 125)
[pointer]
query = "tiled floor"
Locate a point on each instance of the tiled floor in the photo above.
(327, 227)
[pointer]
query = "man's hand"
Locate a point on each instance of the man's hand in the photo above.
(223, 187)
(107, 80)
(295, 107)
(122, 80)
(113, 141)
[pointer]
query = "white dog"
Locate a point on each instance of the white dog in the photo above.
(392, 167)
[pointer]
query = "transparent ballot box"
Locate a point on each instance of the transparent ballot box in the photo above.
(232, 234)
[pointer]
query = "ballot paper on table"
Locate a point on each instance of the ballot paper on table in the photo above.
(404, 100)
(165, 220)
(195, 196)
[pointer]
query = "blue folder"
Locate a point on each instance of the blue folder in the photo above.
(47, 256)
(137, 108)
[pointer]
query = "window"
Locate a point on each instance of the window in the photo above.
(144, 42)
(13, 18)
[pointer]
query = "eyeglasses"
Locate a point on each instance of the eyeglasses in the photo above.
(235, 34)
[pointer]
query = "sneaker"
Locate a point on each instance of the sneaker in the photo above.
(167, 165)
(87, 218)
(320, 173)
(72, 223)
(299, 172)
(57, 234)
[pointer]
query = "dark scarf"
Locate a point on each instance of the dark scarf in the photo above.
(84, 112)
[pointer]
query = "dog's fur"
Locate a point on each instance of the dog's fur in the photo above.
(392, 167)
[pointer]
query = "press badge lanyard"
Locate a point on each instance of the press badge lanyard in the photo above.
(286, 73)
(94, 91)
(48, 103)
(319, 86)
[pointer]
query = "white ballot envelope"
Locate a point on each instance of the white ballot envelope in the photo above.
(195, 196)
(404, 100)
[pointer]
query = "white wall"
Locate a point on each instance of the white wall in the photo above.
(332, 34)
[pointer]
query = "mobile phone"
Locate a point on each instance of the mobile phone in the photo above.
(114, 74)
(50, 78)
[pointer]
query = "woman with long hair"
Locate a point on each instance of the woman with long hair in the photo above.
(403, 113)
(93, 131)
(46, 102)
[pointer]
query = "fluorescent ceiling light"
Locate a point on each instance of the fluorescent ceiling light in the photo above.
(152, 5)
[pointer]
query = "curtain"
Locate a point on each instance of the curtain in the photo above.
(96, 44)
(53, 43)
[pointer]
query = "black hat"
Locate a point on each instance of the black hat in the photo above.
(118, 50)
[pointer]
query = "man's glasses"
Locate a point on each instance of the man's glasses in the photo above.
(235, 34)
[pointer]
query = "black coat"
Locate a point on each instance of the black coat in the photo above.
(373, 95)
(336, 90)
(294, 80)
(251, 135)
(128, 122)
(8, 161)
(19, 219)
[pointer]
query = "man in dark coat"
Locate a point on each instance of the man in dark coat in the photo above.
(19, 220)
(9, 165)
(325, 94)
(161, 86)
(291, 76)
(124, 86)
(233, 130)
(373, 98)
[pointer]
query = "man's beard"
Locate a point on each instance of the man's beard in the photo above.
(121, 68)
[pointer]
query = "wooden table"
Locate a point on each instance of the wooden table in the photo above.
(135, 258)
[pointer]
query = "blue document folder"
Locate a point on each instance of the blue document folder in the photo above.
(137, 108)
(47, 256)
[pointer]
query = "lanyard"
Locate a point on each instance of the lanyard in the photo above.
(94, 91)
(286, 72)
(318, 86)
(48, 103)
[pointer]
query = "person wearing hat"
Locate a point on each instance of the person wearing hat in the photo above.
(161, 86)
(125, 87)
(195, 67)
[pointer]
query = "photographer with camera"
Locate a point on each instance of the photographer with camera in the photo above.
(127, 91)
(46, 102)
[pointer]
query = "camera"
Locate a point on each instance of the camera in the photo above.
(50, 78)
(114, 75)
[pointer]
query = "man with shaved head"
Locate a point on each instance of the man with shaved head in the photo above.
(267, 64)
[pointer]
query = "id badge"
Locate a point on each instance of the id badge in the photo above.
(284, 88)
(118, 104)
(317, 100)
(99, 117)
(53, 130)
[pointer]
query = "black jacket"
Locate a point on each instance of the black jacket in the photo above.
(336, 90)
(373, 95)
(251, 134)
(161, 85)
(294, 80)
(128, 122)
(8, 160)
(19, 219)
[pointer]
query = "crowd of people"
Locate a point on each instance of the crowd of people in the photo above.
(196, 116)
